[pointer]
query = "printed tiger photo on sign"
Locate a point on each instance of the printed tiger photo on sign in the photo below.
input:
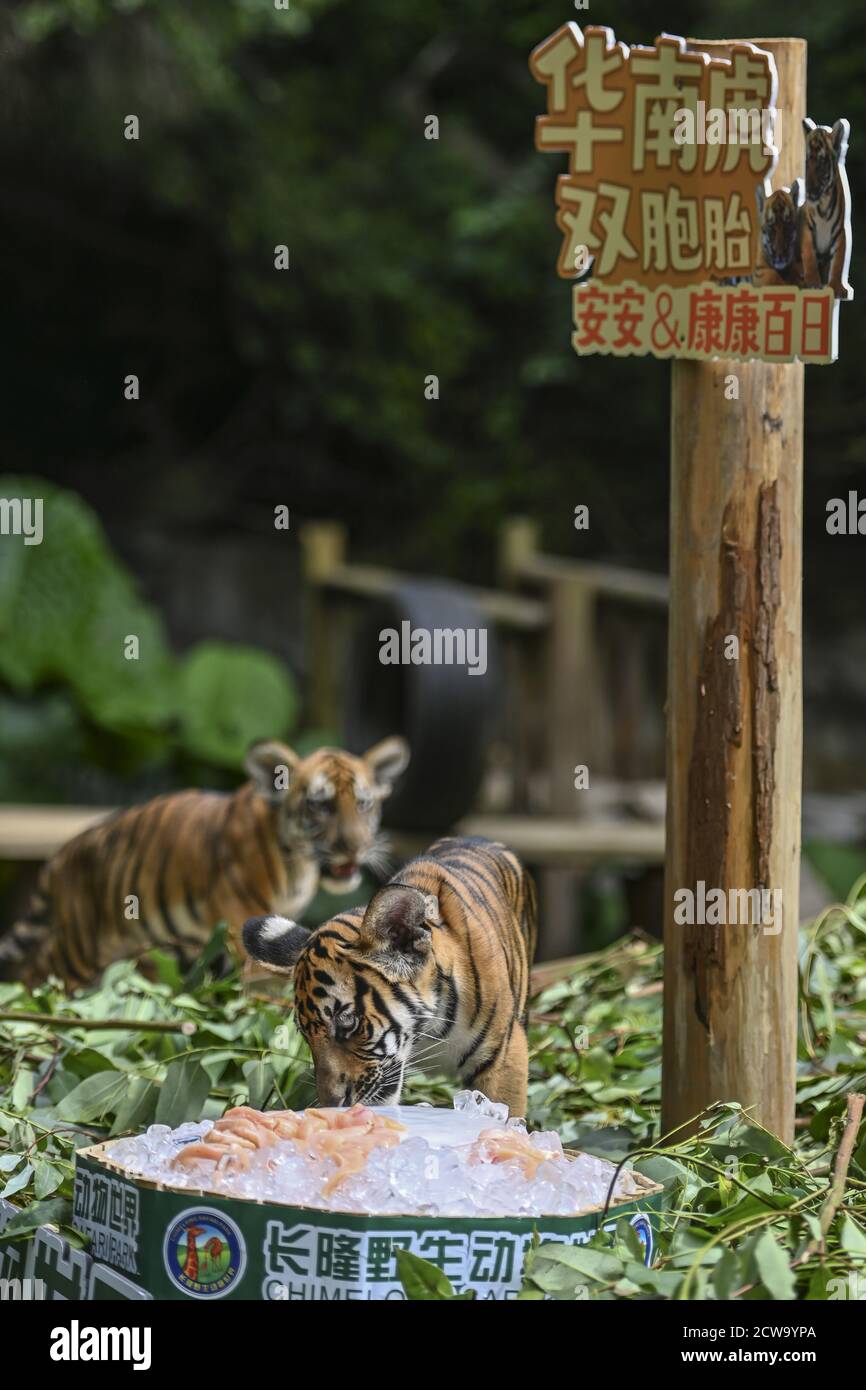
(432, 734)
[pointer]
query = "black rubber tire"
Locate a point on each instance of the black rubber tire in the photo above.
(446, 714)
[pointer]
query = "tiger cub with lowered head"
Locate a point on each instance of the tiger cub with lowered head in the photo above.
(164, 873)
(435, 970)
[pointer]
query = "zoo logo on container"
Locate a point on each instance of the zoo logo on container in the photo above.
(204, 1253)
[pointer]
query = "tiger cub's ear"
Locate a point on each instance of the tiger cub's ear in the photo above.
(386, 760)
(272, 767)
(274, 942)
(840, 132)
(397, 926)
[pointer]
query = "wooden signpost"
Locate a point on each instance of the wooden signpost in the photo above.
(705, 219)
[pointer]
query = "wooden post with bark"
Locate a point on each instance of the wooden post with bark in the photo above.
(734, 742)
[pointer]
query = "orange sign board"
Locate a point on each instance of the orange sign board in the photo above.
(669, 222)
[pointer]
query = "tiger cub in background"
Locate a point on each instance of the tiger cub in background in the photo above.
(164, 873)
(827, 203)
(435, 971)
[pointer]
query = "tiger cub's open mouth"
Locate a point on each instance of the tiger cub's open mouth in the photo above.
(343, 877)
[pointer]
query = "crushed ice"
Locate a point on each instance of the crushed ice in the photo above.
(434, 1171)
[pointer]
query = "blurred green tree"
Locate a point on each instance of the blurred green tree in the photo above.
(71, 689)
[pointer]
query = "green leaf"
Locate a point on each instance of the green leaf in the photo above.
(230, 697)
(819, 1125)
(774, 1268)
(22, 1136)
(91, 1099)
(55, 1211)
(167, 969)
(183, 1092)
(661, 1169)
(48, 1177)
(215, 1063)
(665, 1282)
(820, 1284)
(741, 1135)
(19, 1180)
(215, 948)
(747, 1207)
(560, 1269)
(9, 1161)
(259, 1076)
(421, 1280)
(613, 1141)
(22, 1087)
(628, 1241)
(138, 1108)
(727, 1276)
(852, 1237)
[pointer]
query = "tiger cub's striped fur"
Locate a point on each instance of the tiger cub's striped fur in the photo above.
(163, 874)
(787, 257)
(435, 971)
(828, 202)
